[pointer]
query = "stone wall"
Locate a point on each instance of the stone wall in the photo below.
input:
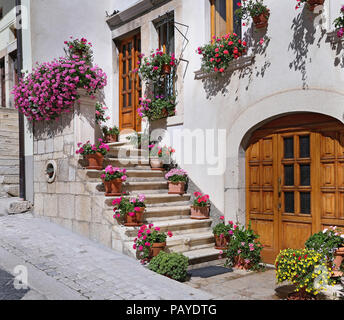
(70, 200)
(9, 153)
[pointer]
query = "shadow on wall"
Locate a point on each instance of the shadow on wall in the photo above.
(304, 29)
(219, 84)
(337, 46)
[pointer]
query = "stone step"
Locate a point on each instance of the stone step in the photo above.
(133, 175)
(142, 186)
(124, 152)
(118, 144)
(192, 241)
(127, 163)
(202, 255)
(157, 214)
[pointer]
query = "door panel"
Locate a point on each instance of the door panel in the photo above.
(129, 83)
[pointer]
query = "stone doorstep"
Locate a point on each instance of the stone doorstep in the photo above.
(95, 174)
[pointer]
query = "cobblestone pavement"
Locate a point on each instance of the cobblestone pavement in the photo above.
(66, 266)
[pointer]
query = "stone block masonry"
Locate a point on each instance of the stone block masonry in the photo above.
(9, 153)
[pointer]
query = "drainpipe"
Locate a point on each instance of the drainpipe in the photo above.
(22, 193)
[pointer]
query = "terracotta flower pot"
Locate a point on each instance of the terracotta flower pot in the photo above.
(156, 164)
(156, 248)
(113, 188)
(110, 138)
(136, 220)
(240, 263)
(200, 213)
(176, 187)
(314, 3)
(166, 69)
(338, 259)
(95, 161)
(221, 243)
(262, 20)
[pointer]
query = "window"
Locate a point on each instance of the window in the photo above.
(223, 20)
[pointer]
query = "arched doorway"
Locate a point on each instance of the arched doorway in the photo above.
(294, 180)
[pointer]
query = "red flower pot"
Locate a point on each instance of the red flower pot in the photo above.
(166, 69)
(337, 262)
(240, 263)
(136, 220)
(110, 138)
(95, 161)
(221, 243)
(262, 20)
(314, 3)
(176, 187)
(113, 188)
(200, 213)
(156, 248)
(157, 164)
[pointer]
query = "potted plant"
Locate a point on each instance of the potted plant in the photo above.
(80, 48)
(150, 242)
(110, 134)
(154, 67)
(177, 179)
(339, 23)
(311, 4)
(244, 251)
(217, 55)
(130, 210)
(256, 10)
(113, 179)
(223, 234)
(159, 156)
(201, 207)
(329, 243)
(94, 153)
(159, 107)
(172, 265)
(306, 269)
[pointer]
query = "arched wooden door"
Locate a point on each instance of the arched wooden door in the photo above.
(294, 180)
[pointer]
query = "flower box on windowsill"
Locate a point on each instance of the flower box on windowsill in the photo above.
(333, 38)
(237, 64)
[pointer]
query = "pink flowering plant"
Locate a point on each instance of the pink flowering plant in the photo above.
(217, 55)
(339, 23)
(89, 148)
(251, 8)
(201, 200)
(161, 152)
(110, 130)
(177, 175)
(100, 113)
(158, 107)
(111, 173)
(51, 89)
(81, 48)
(223, 230)
(146, 237)
(150, 68)
(244, 244)
(128, 206)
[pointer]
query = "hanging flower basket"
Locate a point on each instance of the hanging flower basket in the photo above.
(262, 20)
(166, 69)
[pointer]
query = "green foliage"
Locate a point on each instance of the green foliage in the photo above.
(110, 130)
(100, 113)
(325, 242)
(80, 48)
(339, 22)
(252, 8)
(158, 107)
(244, 244)
(173, 265)
(222, 228)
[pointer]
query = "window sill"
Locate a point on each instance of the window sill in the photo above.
(333, 38)
(234, 65)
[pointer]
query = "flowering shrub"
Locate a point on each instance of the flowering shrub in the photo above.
(252, 8)
(177, 175)
(150, 68)
(244, 249)
(326, 242)
(172, 265)
(339, 23)
(306, 269)
(201, 200)
(124, 206)
(111, 173)
(217, 55)
(107, 131)
(157, 108)
(100, 113)
(160, 152)
(223, 230)
(146, 236)
(51, 88)
(80, 48)
(89, 148)
(299, 2)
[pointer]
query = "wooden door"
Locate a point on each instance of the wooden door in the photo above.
(294, 180)
(129, 83)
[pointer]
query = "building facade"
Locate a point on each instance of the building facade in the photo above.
(264, 139)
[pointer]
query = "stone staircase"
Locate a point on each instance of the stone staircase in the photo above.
(193, 238)
(9, 153)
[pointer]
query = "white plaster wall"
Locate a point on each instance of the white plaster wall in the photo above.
(6, 36)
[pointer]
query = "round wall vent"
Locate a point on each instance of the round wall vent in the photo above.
(50, 171)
